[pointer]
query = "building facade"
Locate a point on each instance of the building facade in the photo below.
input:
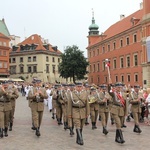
(123, 44)
(35, 58)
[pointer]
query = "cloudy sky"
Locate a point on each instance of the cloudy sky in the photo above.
(63, 22)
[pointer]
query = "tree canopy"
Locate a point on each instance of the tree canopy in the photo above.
(73, 64)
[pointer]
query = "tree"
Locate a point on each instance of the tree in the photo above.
(73, 64)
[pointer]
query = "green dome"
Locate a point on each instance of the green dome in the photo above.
(93, 25)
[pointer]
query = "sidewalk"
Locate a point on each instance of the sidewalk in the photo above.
(54, 137)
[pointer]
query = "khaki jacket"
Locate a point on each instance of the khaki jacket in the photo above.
(37, 104)
(78, 106)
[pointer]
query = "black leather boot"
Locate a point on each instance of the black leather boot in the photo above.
(10, 126)
(79, 137)
(53, 116)
(112, 121)
(93, 126)
(105, 130)
(128, 119)
(33, 127)
(117, 138)
(37, 132)
(71, 131)
(65, 125)
(86, 121)
(1, 133)
(121, 136)
(137, 129)
(5, 131)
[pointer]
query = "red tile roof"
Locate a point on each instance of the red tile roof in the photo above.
(122, 25)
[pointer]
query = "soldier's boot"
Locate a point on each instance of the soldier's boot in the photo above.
(99, 118)
(117, 138)
(137, 129)
(105, 130)
(95, 125)
(128, 119)
(33, 127)
(65, 125)
(121, 136)
(6, 131)
(61, 122)
(1, 133)
(10, 126)
(112, 121)
(53, 116)
(37, 132)
(86, 121)
(71, 131)
(79, 137)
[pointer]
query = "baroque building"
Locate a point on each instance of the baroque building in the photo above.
(124, 45)
(35, 58)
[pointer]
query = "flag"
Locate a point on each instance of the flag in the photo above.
(107, 64)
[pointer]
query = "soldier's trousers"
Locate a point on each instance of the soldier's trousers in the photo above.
(118, 119)
(64, 112)
(59, 112)
(4, 118)
(70, 122)
(136, 117)
(94, 115)
(78, 123)
(37, 118)
(12, 112)
(104, 118)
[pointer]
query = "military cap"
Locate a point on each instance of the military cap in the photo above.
(4, 82)
(137, 86)
(93, 89)
(10, 81)
(78, 84)
(36, 81)
(57, 86)
(71, 85)
(103, 86)
(64, 84)
(118, 84)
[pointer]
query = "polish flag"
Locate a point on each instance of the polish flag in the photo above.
(107, 64)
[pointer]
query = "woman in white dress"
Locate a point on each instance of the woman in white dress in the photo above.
(49, 100)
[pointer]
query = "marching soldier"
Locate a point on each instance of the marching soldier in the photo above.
(37, 95)
(104, 99)
(117, 110)
(5, 108)
(14, 96)
(78, 109)
(135, 101)
(94, 107)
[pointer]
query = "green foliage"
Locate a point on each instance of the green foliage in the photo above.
(73, 64)
(21, 77)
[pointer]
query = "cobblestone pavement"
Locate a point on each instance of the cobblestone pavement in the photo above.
(54, 137)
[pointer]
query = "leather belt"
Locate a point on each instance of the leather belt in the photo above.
(38, 101)
(78, 106)
(5, 101)
(118, 105)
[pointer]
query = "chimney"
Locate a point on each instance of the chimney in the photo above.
(141, 5)
(122, 17)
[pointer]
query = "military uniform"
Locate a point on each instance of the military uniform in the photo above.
(78, 109)
(5, 107)
(135, 101)
(37, 95)
(117, 110)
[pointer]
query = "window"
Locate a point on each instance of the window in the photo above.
(4, 43)
(103, 65)
(97, 51)
(5, 65)
(135, 38)
(34, 68)
(94, 68)
(13, 69)
(47, 59)
(122, 78)
(127, 41)
(121, 62)
(121, 43)
(116, 78)
(21, 69)
(128, 61)
(128, 78)
(136, 78)
(0, 43)
(47, 68)
(21, 59)
(53, 69)
(34, 58)
(90, 68)
(135, 60)
(9, 60)
(13, 60)
(98, 80)
(115, 64)
(1, 64)
(98, 69)
(58, 60)
(103, 49)
(29, 59)
(0, 52)
(108, 47)
(29, 69)
(4, 53)
(53, 59)
(106, 79)
(93, 53)
(114, 44)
